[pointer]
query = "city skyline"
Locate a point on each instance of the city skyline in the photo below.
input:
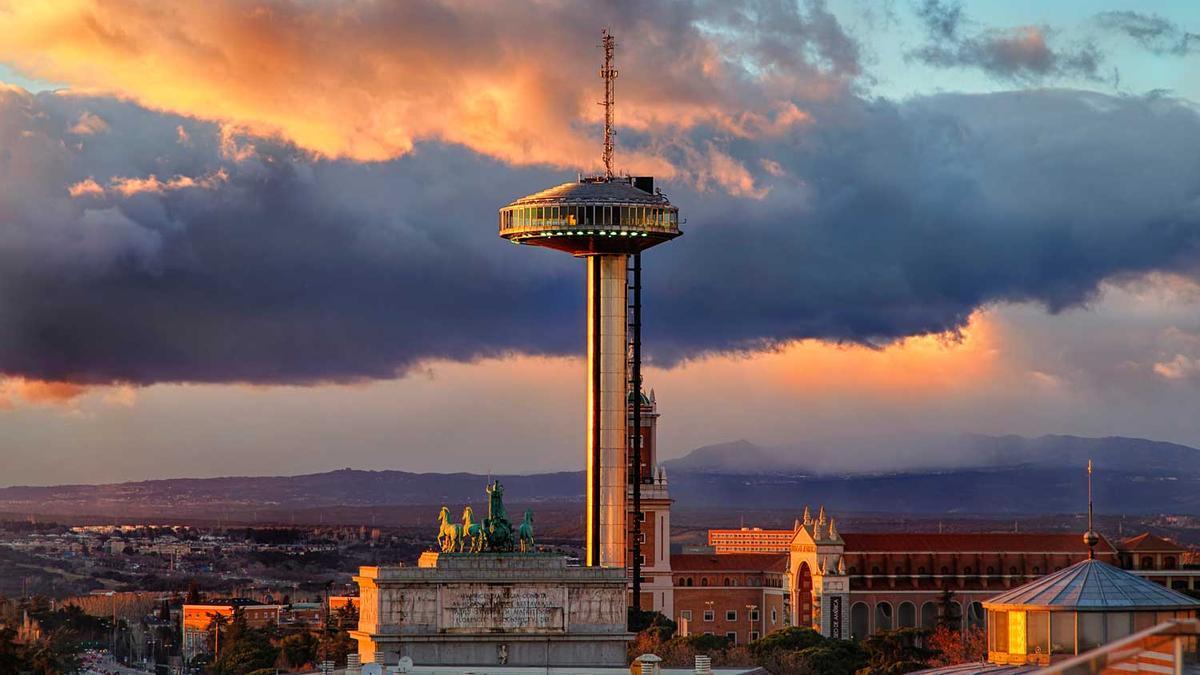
(260, 240)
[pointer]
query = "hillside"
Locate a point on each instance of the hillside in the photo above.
(990, 475)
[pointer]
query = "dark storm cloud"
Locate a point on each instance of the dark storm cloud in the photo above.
(1021, 54)
(1152, 32)
(145, 247)
(271, 268)
(909, 217)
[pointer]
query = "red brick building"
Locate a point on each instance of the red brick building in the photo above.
(739, 596)
(900, 580)
(854, 584)
(653, 524)
(197, 620)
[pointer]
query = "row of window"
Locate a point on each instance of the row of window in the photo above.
(905, 616)
(991, 571)
(731, 636)
(730, 615)
(1147, 563)
(770, 582)
(1037, 632)
(521, 218)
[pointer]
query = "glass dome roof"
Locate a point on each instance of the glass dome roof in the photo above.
(1092, 585)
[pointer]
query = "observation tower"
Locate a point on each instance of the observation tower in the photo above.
(608, 220)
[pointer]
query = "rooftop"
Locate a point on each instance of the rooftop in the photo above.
(616, 191)
(1093, 585)
(729, 562)
(979, 669)
(1147, 542)
(998, 542)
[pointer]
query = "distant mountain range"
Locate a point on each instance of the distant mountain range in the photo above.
(967, 474)
(937, 453)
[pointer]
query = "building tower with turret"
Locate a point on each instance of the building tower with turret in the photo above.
(652, 521)
(607, 220)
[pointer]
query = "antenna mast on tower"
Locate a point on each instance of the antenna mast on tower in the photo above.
(1090, 537)
(608, 43)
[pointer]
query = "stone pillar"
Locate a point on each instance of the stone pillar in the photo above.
(834, 606)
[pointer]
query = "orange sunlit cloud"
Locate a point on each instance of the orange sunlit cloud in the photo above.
(19, 389)
(915, 366)
(359, 82)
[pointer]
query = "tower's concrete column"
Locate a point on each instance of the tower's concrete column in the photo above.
(607, 435)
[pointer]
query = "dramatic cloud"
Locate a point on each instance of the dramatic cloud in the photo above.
(167, 249)
(1021, 54)
(19, 389)
(1152, 32)
(513, 81)
(905, 219)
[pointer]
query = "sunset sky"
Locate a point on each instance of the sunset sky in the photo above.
(260, 237)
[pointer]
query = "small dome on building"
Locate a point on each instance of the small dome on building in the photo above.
(1077, 609)
(1093, 585)
(646, 402)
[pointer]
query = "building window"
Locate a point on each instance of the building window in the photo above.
(641, 537)
(945, 570)
(1037, 570)
(710, 615)
(921, 570)
(754, 615)
(883, 616)
(728, 582)
(686, 614)
(967, 569)
(774, 615)
(753, 635)
(1012, 571)
(991, 570)
(731, 636)
(731, 615)
(1169, 562)
(703, 581)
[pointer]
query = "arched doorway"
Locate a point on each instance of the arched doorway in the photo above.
(883, 616)
(804, 596)
(859, 621)
(929, 612)
(976, 617)
(906, 615)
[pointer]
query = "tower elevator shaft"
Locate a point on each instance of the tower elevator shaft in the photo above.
(607, 410)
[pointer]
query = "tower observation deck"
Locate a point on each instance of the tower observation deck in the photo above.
(607, 220)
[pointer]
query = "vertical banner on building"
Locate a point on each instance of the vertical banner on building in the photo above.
(835, 617)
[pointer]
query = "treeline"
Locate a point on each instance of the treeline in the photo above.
(36, 638)
(804, 651)
(238, 648)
